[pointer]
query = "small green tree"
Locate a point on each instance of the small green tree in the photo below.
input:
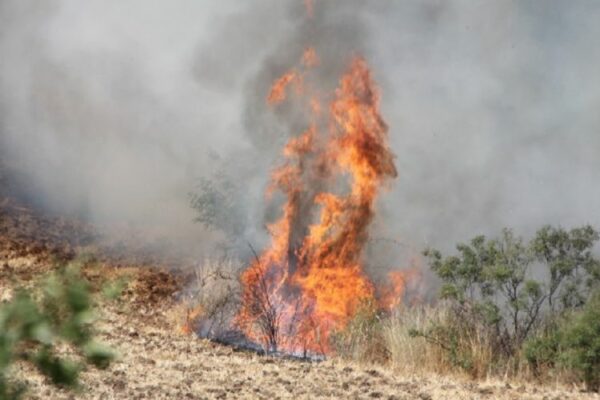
(490, 280)
(492, 283)
(217, 202)
(34, 322)
(573, 271)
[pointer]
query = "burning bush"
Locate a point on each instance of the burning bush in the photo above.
(310, 281)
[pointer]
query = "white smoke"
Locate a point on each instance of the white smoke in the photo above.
(110, 109)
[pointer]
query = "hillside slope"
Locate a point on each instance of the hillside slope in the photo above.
(157, 362)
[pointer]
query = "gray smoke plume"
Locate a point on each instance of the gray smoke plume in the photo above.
(113, 110)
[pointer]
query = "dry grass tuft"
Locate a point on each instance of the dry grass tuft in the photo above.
(414, 354)
(424, 339)
(210, 302)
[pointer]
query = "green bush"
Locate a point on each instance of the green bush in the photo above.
(35, 322)
(581, 341)
(514, 296)
(542, 351)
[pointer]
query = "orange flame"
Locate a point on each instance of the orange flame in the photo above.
(310, 280)
(277, 93)
(310, 58)
(399, 282)
(192, 315)
(310, 8)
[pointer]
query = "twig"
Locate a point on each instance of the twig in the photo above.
(254, 252)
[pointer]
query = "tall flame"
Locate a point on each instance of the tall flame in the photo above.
(310, 280)
(310, 8)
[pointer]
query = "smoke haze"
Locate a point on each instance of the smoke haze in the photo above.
(113, 110)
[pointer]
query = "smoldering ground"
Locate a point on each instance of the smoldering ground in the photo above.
(112, 111)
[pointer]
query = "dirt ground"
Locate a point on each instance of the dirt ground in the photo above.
(157, 362)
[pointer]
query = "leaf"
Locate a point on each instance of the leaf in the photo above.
(113, 290)
(98, 354)
(60, 371)
(42, 333)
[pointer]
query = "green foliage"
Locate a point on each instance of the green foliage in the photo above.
(542, 351)
(217, 203)
(35, 322)
(573, 343)
(114, 290)
(495, 290)
(581, 343)
(570, 263)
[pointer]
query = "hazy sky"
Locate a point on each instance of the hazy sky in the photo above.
(113, 109)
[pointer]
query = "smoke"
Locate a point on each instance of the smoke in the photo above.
(492, 107)
(113, 110)
(100, 114)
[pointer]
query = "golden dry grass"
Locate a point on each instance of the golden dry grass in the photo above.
(157, 362)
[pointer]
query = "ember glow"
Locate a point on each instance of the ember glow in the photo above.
(311, 279)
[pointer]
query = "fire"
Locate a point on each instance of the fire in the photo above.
(310, 58)
(310, 8)
(311, 280)
(277, 93)
(295, 78)
(393, 293)
(192, 315)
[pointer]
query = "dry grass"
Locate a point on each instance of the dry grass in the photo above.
(156, 364)
(212, 298)
(362, 339)
(444, 344)
(447, 346)
(414, 354)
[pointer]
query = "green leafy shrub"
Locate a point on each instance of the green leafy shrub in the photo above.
(543, 350)
(35, 322)
(512, 292)
(581, 343)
